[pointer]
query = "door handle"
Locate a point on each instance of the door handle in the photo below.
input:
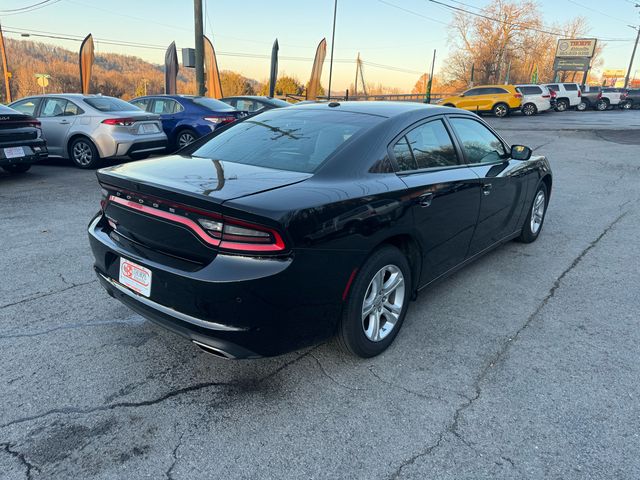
(486, 188)
(64, 122)
(425, 200)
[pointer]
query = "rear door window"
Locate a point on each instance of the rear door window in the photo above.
(431, 146)
(404, 157)
(571, 87)
(72, 109)
(165, 106)
(530, 90)
(53, 107)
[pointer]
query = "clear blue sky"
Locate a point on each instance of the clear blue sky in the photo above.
(382, 33)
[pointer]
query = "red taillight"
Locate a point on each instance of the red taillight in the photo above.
(546, 96)
(579, 93)
(215, 230)
(599, 95)
(518, 95)
(120, 122)
(220, 120)
(553, 93)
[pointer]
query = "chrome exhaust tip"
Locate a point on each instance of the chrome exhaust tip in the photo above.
(213, 350)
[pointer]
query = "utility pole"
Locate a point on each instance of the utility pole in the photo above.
(5, 68)
(633, 54)
(333, 37)
(197, 16)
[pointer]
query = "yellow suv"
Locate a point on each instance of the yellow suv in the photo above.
(497, 99)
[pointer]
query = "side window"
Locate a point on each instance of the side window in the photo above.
(530, 90)
(499, 90)
(403, 155)
(165, 106)
(28, 106)
(483, 91)
(53, 107)
(553, 87)
(432, 146)
(142, 103)
(480, 145)
(472, 92)
(570, 87)
(72, 109)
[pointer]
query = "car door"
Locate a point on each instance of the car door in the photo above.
(501, 178)
(468, 99)
(444, 192)
(56, 121)
(168, 109)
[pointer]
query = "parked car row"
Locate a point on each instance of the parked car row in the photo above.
(501, 100)
(88, 129)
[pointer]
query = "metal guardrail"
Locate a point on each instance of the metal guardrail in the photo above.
(396, 97)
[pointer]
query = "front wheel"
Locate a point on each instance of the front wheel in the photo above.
(377, 304)
(626, 106)
(500, 110)
(84, 154)
(602, 105)
(19, 168)
(582, 106)
(535, 219)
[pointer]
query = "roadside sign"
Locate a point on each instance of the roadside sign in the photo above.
(576, 47)
(578, 64)
(42, 81)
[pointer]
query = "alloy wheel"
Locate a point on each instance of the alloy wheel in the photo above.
(537, 212)
(185, 139)
(529, 109)
(383, 303)
(582, 106)
(82, 153)
(500, 111)
(561, 106)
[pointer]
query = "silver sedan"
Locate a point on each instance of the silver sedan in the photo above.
(89, 128)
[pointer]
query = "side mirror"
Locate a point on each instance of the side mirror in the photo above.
(461, 95)
(520, 152)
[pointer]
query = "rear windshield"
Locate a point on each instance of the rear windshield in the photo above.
(286, 139)
(212, 104)
(109, 104)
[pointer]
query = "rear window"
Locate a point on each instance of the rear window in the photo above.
(530, 90)
(109, 104)
(212, 104)
(571, 87)
(286, 139)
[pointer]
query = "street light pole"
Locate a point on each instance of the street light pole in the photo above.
(633, 54)
(199, 37)
(333, 36)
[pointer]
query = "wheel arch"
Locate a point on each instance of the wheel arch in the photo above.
(74, 137)
(410, 247)
(548, 181)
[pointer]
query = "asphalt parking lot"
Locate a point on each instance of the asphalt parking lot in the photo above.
(526, 364)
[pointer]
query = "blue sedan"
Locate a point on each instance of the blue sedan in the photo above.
(185, 117)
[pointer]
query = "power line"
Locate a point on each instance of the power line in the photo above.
(413, 13)
(597, 11)
(107, 41)
(26, 7)
(32, 8)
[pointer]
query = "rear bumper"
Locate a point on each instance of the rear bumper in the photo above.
(35, 150)
(246, 307)
(120, 144)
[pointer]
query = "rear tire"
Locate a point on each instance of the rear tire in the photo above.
(582, 106)
(529, 109)
(377, 303)
(84, 153)
(535, 219)
(500, 110)
(20, 168)
(562, 105)
(185, 137)
(602, 105)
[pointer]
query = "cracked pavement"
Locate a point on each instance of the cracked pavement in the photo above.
(524, 365)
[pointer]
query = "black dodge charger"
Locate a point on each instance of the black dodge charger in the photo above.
(21, 142)
(298, 224)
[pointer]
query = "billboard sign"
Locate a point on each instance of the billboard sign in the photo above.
(572, 64)
(576, 47)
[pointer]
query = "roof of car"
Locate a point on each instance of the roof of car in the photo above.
(254, 97)
(383, 108)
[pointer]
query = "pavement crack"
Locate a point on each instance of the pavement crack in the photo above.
(46, 294)
(73, 326)
(452, 428)
(30, 467)
(146, 403)
(169, 472)
(409, 391)
(333, 380)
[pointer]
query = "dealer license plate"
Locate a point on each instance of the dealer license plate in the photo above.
(136, 277)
